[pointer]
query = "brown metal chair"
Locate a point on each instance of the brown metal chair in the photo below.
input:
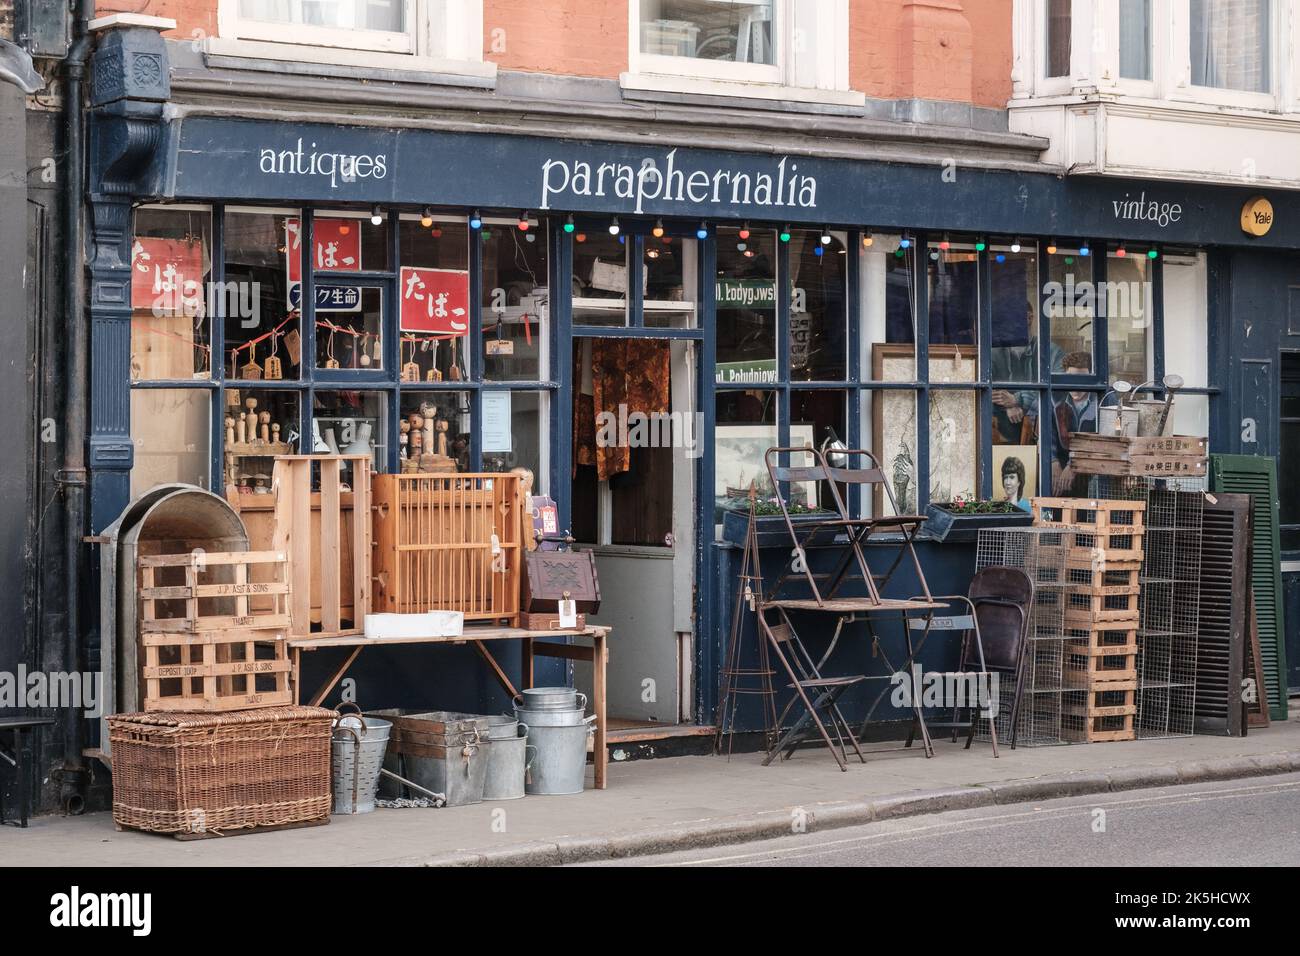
(1003, 599)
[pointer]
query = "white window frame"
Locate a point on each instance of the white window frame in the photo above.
(1094, 67)
(442, 36)
(811, 39)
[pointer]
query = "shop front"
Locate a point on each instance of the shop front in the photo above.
(636, 325)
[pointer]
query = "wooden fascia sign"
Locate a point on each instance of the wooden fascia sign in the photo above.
(1256, 216)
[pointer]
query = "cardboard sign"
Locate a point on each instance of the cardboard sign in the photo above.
(435, 301)
(167, 276)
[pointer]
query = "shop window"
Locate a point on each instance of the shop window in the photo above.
(170, 429)
(515, 304)
(514, 430)
(888, 288)
(1183, 273)
(954, 444)
(356, 423)
(434, 432)
(434, 300)
(257, 425)
(952, 276)
(349, 241)
(1071, 306)
(1130, 312)
(889, 433)
(601, 277)
(263, 272)
(745, 292)
(818, 326)
(672, 278)
(1229, 44)
(818, 419)
(171, 268)
(352, 337)
(744, 429)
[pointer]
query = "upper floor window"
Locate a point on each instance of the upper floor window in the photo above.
(368, 24)
(755, 47)
(1135, 39)
(1229, 44)
(1058, 38)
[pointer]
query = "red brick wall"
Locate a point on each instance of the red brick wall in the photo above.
(572, 37)
(190, 15)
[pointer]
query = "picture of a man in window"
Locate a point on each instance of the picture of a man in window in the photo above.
(1077, 412)
(1015, 412)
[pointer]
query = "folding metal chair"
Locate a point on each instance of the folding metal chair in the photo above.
(1003, 598)
(968, 626)
(819, 695)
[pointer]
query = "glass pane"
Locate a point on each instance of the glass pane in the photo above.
(388, 15)
(1014, 355)
(1191, 416)
(746, 306)
(1229, 42)
(434, 431)
(1058, 38)
(953, 278)
(954, 445)
(352, 338)
(434, 300)
(171, 265)
(1128, 313)
(672, 278)
(258, 424)
(515, 305)
(263, 253)
(444, 244)
(889, 431)
(889, 307)
(1075, 411)
(353, 422)
(818, 306)
(1070, 303)
(1135, 39)
(737, 30)
(170, 429)
(349, 242)
(819, 419)
(1015, 461)
(1186, 311)
(745, 428)
(523, 444)
(600, 278)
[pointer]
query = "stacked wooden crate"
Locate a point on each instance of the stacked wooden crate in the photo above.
(1166, 456)
(1104, 542)
(213, 629)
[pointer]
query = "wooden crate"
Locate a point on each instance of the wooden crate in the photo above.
(450, 543)
(1098, 532)
(1099, 654)
(1166, 456)
(1102, 604)
(205, 648)
(327, 537)
(1105, 713)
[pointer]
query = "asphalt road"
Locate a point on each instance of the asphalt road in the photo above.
(1249, 822)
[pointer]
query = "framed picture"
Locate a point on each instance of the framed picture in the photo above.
(739, 460)
(1015, 474)
(953, 415)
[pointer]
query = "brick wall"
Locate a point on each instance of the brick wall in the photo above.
(572, 37)
(190, 15)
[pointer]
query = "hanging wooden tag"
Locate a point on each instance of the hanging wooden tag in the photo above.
(433, 375)
(293, 343)
(331, 363)
(251, 371)
(411, 372)
(272, 367)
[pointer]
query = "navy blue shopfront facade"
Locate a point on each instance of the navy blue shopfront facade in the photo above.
(1252, 294)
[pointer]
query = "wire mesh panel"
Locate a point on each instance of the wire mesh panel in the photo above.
(1042, 553)
(1169, 600)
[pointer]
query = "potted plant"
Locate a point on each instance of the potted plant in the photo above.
(770, 524)
(961, 519)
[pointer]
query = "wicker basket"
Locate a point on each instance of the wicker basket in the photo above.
(208, 773)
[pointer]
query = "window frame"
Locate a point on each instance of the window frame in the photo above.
(232, 23)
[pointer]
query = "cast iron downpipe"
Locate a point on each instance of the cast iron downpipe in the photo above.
(76, 334)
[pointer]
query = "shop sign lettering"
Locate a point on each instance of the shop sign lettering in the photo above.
(780, 185)
(1141, 210)
(336, 167)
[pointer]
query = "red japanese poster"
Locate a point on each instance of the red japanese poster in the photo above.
(336, 246)
(435, 301)
(167, 276)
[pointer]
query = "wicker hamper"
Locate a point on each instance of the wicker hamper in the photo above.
(208, 773)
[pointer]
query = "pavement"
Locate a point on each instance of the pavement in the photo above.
(659, 806)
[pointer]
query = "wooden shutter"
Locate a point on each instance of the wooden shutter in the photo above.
(1223, 617)
(1256, 476)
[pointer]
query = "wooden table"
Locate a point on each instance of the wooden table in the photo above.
(533, 646)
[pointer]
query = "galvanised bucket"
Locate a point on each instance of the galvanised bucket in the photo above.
(508, 760)
(357, 748)
(558, 739)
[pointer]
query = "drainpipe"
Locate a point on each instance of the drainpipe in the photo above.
(76, 335)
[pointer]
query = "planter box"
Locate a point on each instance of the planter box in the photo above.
(772, 532)
(943, 525)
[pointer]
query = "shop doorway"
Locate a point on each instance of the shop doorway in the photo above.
(637, 442)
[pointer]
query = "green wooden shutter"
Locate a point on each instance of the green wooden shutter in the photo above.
(1257, 476)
